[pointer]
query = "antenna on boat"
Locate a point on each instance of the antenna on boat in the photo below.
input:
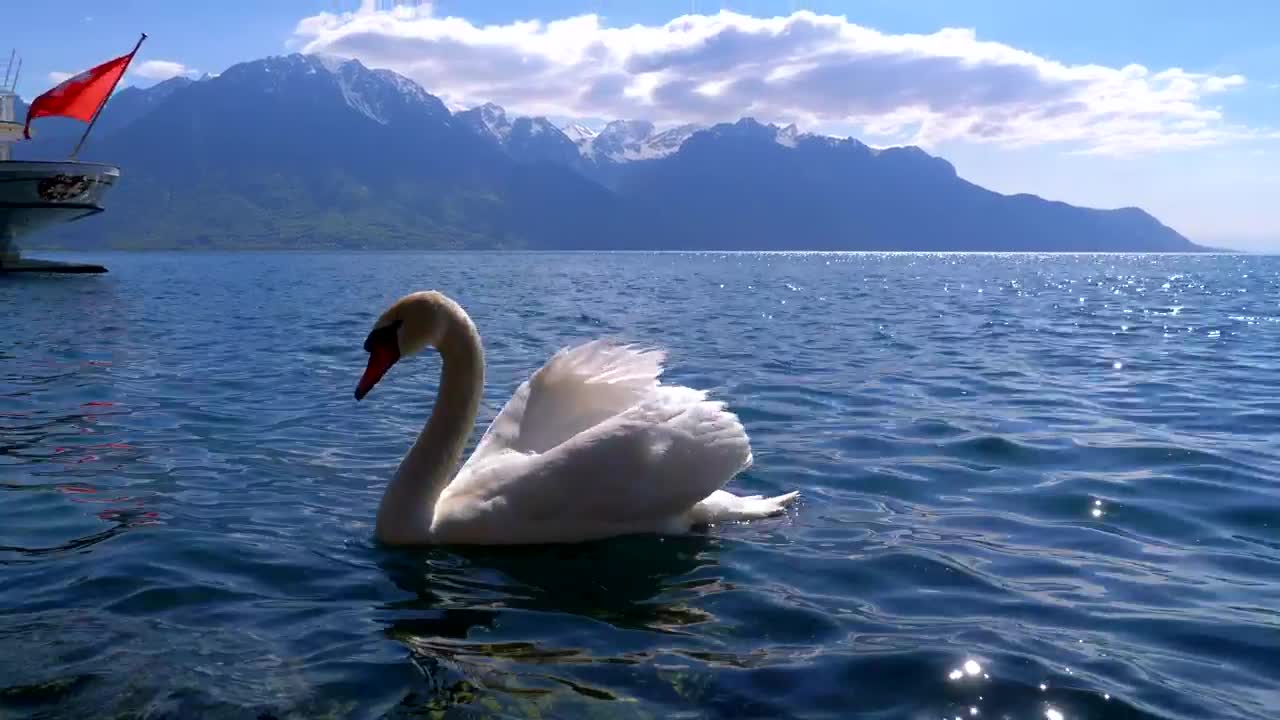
(12, 69)
(8, 66)
(9, 129)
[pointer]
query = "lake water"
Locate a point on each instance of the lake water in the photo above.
(1033, 487)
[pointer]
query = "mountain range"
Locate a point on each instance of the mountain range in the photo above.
(301, 151)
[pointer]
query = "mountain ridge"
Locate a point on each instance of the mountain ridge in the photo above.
(299, 151)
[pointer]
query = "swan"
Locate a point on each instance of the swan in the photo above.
(590, 446)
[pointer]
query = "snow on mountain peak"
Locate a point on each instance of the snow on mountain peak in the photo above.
(668, 142)
(627, 140)
(379, 95)
(787, 136)
(488, 119)
(406, 87)
(627, 131)
(618, 141)
(332, 63)
(540, 125)
(579, 133)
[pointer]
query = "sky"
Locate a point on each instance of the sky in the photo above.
(1168, 105)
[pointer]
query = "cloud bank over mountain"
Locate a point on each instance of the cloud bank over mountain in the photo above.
(248, 159)
(821, 72)
(162, 70)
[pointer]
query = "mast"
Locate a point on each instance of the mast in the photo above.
(8, 102)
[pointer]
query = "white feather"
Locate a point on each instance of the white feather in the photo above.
(593, 445)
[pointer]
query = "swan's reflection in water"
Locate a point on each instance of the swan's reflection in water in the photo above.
(617, 581)
(520, 625)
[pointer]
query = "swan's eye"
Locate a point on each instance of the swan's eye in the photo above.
(383, 336)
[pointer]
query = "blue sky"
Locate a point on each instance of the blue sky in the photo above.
(1020, 96)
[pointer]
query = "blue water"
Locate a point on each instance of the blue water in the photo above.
(1033, 487)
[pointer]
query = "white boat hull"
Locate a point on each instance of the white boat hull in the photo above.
(35, 195)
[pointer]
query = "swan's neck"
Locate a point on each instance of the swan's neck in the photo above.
(409, 502)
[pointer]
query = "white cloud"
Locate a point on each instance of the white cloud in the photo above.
(58, 76)
(819, 71)
(161, 70)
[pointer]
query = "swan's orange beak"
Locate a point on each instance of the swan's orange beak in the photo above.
(383, 346)
(381, 357)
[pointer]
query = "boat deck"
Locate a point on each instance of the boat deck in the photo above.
(32, 265)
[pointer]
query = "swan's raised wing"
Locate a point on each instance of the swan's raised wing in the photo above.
(642, 470)
(577, 389)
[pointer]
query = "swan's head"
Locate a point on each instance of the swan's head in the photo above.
(411, 324)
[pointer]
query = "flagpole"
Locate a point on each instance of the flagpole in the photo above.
(94, 119)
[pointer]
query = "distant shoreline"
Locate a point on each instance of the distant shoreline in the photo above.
(27, 249)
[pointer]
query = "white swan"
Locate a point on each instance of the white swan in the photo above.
(591, 446)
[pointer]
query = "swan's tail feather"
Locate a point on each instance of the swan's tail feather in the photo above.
(722, 506)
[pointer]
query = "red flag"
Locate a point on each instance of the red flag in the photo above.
(81, 96)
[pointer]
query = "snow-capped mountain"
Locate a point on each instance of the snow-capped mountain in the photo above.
(604, 154)
(668, 141)
(579, 133)
(487, 120)
(526, 139)
(595, 150)
(537, 140)
(618, 139)
(380, 95)
(787, 136)
(628, 140)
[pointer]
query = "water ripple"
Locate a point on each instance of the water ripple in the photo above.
(1034, 486)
